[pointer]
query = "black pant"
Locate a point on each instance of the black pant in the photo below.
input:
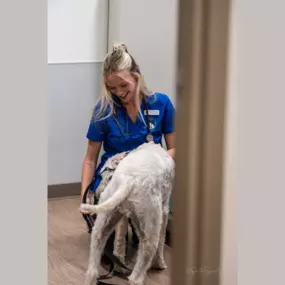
(90, 219)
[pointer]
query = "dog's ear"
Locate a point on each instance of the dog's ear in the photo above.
(116, 159)
(110, 165)
(107, 166)
(113, 162)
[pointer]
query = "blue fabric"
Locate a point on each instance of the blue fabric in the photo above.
(161, 117)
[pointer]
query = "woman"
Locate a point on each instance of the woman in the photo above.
(126, 116)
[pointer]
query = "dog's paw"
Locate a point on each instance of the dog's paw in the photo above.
(135, 282)
(118, 268)
(159, 263)
(90, 278)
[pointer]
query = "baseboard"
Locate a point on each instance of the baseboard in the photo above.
(64, 190)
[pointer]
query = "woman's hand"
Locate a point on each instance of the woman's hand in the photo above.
(171, 152)
(170, 143)
(88, 169)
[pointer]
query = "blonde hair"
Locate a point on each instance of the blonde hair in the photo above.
(117, 60)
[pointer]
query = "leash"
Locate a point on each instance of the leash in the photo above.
(108, 255)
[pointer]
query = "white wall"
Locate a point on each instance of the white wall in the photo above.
(77, 30)
(255, 145)
(77, 35)
(77, 44)
(73, 89)
(149, 28)
(257, 89)
(229, 224)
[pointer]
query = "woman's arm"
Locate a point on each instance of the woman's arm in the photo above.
(89, 164)
(170, 143)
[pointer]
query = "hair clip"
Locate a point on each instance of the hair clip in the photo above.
(120, 47)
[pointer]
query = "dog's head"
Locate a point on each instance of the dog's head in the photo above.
(108, 170)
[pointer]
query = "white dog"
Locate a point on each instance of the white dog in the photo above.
(140, 188)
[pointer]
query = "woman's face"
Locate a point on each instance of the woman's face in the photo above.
(123, 85)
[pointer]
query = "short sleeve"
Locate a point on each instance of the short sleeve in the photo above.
(168, 122)
(97, 129)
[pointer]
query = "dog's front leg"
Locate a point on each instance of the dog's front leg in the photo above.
(101, 231)
(120, 238)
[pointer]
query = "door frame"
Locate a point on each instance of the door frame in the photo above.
(200, 131)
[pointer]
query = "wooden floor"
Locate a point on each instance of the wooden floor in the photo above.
(68, 247)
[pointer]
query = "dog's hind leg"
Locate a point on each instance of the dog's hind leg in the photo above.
(103, 227)
(158, 261)
(148, 227)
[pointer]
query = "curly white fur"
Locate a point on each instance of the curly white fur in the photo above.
(140, 188)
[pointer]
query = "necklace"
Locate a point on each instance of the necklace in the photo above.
(119, 125)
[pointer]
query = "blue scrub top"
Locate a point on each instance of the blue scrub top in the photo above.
(107, 131)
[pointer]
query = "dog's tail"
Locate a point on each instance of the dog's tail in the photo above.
(110, 204)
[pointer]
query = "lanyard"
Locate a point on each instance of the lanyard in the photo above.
(117, 121)
(147, 115)
(149, 136)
